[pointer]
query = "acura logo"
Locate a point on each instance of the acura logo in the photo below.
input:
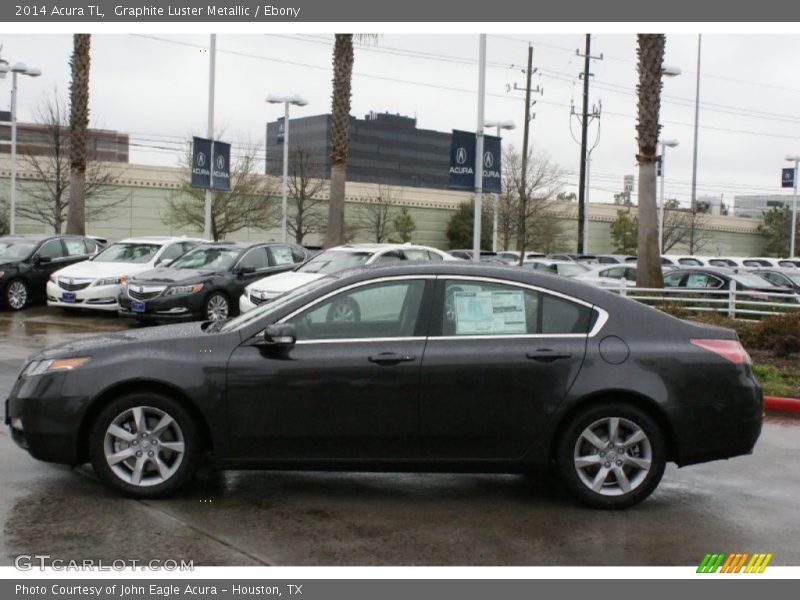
(220, 162)
(488, 160)
(201, 159)
(461, 156)
(70, 281)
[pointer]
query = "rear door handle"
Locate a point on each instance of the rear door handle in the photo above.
(390, 358)
(547, 355)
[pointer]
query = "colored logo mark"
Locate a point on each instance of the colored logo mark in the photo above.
(739, 562)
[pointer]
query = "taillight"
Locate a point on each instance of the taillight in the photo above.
(731, 350)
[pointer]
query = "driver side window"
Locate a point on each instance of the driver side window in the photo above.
(380, 310)
(52, 250)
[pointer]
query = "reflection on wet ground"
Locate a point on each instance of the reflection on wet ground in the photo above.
(242, 518)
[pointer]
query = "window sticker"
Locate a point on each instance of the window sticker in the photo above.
(486, 313)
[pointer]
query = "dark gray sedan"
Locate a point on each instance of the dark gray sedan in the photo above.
(444, 367)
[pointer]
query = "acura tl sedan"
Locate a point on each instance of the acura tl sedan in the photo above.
(445, 367)
(205, 282)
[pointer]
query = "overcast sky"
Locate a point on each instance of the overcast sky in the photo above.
(155, 87)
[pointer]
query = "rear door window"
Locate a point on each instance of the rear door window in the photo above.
(282, 256)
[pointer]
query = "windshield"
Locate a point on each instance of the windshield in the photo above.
(334, 261)
(128, 253)
(245, 319)
(15, 249)
(751, 280)
(207, 258)
(794, 277)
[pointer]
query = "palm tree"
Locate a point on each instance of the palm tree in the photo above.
(343, 59)
(650, 52)
(78, 129)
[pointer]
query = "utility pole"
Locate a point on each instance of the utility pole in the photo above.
(694, 152)
(476, 231)
(582, 208)
(523, 191)
(595, 114)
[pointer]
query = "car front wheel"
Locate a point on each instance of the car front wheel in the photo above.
(144, 445)
(217, 307)
(611, 456)
(16, 294)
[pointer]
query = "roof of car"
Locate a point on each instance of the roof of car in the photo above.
(377, 247)
(38, 237)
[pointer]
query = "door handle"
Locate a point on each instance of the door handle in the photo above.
(390, 358)
(547, 355)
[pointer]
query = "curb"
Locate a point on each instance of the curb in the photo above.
(791, 405)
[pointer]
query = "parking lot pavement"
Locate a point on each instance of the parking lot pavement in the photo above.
(748, 504)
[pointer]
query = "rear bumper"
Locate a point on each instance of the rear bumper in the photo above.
(724, 429)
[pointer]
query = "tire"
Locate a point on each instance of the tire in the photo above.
(344, 310)
(16, 295)
(636, 464)
(217, 307)
(116, 459)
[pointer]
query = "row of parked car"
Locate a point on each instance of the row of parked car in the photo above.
(181, 278)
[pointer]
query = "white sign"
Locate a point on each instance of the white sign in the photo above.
(488, 313)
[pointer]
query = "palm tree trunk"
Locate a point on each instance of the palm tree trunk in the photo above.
(340, 123)
(78, 125)
(650, 51)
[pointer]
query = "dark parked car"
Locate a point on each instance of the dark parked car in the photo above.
(448, 367)
(27, 261)
(206, 282)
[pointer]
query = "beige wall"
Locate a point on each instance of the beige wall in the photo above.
(145, 190)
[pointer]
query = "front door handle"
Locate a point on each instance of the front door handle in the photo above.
(390, 358)
(547, 355)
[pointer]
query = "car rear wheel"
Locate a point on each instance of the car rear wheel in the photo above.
(217, 307)
(16, 294)
(144, 445)
(611, 456)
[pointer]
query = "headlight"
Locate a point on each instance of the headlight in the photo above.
(178, 290)
(39, 367)
(110, 281)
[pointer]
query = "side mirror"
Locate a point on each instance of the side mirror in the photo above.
(245, 270)
(282, 336)
(42, 260)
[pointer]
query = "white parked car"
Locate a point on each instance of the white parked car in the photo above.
(610, 276)
(334, 260)
(95, 283)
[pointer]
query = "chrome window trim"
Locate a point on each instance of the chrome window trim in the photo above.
(602, 314)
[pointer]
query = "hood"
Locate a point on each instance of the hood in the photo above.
(89, 269)
(92, 345)
(284, 282)
(169, 276)
(9, 264)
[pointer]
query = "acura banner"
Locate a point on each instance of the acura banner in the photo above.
(462, 162)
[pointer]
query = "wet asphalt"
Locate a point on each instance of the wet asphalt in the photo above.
(748, 504)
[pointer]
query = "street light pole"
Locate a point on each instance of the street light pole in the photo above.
(499, 125)
(793, 229)
(286, 101)
(476, 233)
(661, 206)
(16, 69)
(207, 234)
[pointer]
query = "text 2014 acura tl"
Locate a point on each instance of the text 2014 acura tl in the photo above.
(444, 367)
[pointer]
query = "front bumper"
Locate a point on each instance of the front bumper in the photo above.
(44, 422)
(166, 308)
(101, 297)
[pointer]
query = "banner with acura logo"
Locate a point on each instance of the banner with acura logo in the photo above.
(462, 162)
(211, 165)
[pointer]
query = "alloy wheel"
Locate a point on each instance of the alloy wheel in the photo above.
(144, 446)
(217, 308)
(17, 295)
(613, 456)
